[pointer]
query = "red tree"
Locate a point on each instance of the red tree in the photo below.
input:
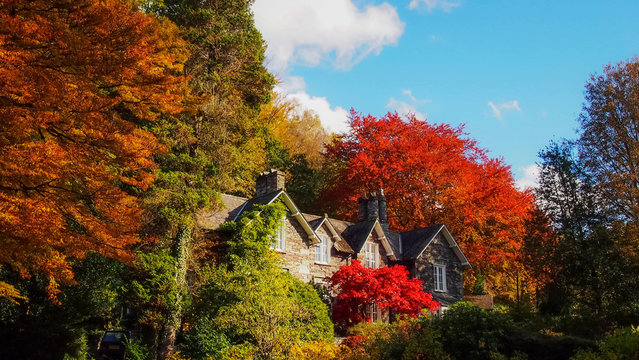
(387, 288)
(432, 174)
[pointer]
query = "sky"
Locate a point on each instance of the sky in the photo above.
(513, 72)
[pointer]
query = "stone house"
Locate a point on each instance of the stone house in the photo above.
(314, 246)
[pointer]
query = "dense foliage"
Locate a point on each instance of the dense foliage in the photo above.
(388, 288)
(78, 79)
(122, 119)
(433, 174)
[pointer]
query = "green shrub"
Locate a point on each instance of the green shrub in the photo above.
(469, 332)
(622, 344)
(205, 340)
(404, 339)
(136, 350)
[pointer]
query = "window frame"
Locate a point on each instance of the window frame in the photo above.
(439, 277)
(278, 240)
(371, 254)
(323, 251)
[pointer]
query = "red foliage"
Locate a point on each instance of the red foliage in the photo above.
(387, 287)
(431, 174)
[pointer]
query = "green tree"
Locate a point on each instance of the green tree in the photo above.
(227, 70)
(40, 329)
(592, 280)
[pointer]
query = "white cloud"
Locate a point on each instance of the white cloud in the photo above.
(309, 32)
(530, 178)
(334, 119)
(446, 6)
(404, 108)
(291, 84)
(509, 105)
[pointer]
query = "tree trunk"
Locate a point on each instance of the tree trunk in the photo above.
(174, 321)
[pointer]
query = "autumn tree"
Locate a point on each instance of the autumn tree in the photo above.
(77, 81)
(388, 288)
(295, 144)
(538, 254)
(434, 174)
(609, 136)
(299, 134)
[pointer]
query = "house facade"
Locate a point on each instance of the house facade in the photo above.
(315, 246)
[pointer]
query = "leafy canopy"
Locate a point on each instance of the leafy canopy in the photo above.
(78, 80)
(433, 174)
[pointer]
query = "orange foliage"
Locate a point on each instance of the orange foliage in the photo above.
(432, 174)
(78, 77)
(299, 134)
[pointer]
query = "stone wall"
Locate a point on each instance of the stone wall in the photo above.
(438, 252)
(299, 255)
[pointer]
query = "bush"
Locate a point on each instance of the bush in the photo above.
(469, 332)
(136, 350)
(623, 344)
(205, 340)
(319, 350)
(404, 339)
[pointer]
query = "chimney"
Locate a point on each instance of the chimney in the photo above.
(268, 182)
(373, 207)
(383, 218)
(363, 211)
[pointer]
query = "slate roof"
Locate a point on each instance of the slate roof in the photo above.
(357, 234)
(407, 245)
(211, 219)
(415, 241)
(393, 239)
(259, 200)
(339, 243)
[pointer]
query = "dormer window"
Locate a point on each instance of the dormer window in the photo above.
(278, 242)
(323, 250)
(371, 255)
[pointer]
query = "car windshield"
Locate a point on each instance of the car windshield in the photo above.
(111, 336)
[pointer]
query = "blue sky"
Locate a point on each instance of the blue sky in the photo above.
(512, 71)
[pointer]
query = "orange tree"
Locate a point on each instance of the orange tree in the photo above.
(79, 80)
(387, 288)
(434, 174)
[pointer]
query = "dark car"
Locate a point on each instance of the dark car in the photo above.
(113, 344)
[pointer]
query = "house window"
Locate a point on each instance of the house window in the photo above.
(371, 255)
(279, 239)
(323, 251)
(440, 277)
(373, 312)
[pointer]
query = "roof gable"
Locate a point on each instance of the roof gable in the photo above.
(270, 198)
(418, 240)
(338, 242)
(357, 235)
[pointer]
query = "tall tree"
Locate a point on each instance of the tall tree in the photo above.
(432, 174)
(226, 67)
(218, 146)
(592, 273)
(609, 140)
(77, 81)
